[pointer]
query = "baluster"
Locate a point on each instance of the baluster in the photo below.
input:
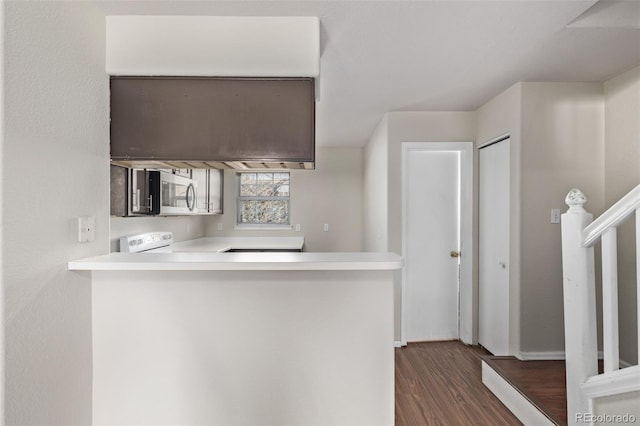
(610, 300)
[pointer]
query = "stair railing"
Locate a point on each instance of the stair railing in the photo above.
(579, 235)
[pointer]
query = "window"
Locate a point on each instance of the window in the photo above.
(263, 198)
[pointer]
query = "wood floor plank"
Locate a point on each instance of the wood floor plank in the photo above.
(440, 383)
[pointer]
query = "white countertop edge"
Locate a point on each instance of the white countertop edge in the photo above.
(238, 262)
(328, 266)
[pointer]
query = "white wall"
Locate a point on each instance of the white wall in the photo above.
(376, 176)
(54, 169)
(622, 173)
(562, 147)
(331, 194)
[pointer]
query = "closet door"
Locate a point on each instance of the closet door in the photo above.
(493, 255)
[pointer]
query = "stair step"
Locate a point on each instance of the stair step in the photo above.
(535, 391)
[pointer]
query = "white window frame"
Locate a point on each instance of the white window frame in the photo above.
(239, 199)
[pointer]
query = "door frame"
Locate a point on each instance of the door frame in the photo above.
(466, 320)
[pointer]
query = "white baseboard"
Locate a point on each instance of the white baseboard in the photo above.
(542, 356)
(520, 406)
(399, 344)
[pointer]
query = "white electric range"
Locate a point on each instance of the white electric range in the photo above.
(153, 242)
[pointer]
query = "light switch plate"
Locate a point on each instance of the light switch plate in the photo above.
(555, 215)
(326, 227)
(86, 229)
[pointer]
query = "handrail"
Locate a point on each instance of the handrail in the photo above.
(612, 383)
(617, 213)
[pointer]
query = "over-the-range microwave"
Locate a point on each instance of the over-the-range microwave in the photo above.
(156, 192)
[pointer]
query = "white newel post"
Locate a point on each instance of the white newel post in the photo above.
(581, 346)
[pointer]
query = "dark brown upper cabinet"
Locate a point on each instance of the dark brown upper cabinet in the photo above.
(251, 120)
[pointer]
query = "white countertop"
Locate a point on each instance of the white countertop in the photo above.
(208, 253)
(208, 261)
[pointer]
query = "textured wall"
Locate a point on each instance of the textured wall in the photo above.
(55, 168)
(562, 148)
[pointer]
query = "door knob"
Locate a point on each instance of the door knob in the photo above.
(455, 254)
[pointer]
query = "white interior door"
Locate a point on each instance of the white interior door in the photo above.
(432, 232)
(493, 257)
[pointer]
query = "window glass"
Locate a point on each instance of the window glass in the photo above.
(263, 198)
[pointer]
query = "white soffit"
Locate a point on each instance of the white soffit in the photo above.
(223, 46)
(610, 14)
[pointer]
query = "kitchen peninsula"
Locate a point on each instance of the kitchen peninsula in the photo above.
(242, 338)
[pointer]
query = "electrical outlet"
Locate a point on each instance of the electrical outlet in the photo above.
(326, 227)
(86, 229)
(555, 215)
(220, 227)
(297, 227)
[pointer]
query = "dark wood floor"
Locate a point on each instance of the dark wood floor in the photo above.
(542, 382)
(440, 383)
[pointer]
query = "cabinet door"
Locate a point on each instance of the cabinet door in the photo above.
(209, 190)
(216, 184)
(119, 191)
(201, 177)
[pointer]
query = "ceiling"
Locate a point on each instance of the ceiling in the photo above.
(380, 56)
